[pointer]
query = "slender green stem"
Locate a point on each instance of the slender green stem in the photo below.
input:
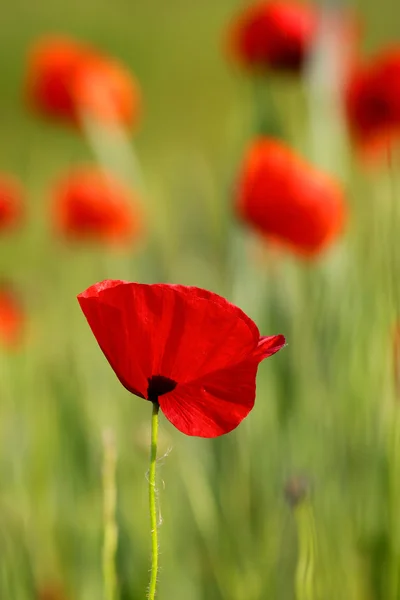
(266, 117)
(306, 553)
(393, 592)
(110, 525)
(112, 149)
(394, 496)
(153, 502)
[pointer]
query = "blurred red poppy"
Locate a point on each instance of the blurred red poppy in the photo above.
(66, 80)
(273, 35)
(106, 91)
(288, 200)
(373, 102)
(91, 205)
(12, 318)
(11, 205)
(190, 350)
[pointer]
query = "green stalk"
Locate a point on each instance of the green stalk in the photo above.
(394, 504)
(305, 571)
(393, 592)
(152, 502)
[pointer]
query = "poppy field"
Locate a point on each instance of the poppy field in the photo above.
(199, 301)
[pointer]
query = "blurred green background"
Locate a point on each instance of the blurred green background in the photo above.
(326, 408)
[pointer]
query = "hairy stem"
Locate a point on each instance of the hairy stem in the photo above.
(152, 502)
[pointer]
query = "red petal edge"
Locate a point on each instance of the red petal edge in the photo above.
(217, 403)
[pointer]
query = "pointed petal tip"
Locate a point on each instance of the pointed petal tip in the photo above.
(269, 345)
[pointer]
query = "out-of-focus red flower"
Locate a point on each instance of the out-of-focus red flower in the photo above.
(288, 200)
(11, 204)
(190, 350)
(12, 318)
(373, 102)
(66, 80)
(273, 35)
(52, 64)
(91, 205)
(106, 91)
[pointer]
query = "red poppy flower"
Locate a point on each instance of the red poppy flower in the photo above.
(92, 205)
(288, 200)
(373, 102)
(106, 91)
(11, 210)
(12, 318)
(276, 35)
(66, 78)
(187, 348)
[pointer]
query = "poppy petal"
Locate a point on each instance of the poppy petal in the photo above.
(113, 335)
(173, 331)
(214, 405)
(203, 333)
(269, 345)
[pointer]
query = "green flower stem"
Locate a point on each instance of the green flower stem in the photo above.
(266, 117)
(110, 525)
(112, 149)
(306, 551)
(152, 502)
(393, 591)
(394, 499)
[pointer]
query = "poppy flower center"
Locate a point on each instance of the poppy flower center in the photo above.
(159, 385)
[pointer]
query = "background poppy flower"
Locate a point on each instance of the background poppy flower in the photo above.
(52, 64)
(373, 102)
(274, 35)
(189, 349)
(12, 318)
(65, 78)
(11, 210)
(106, 91)
(288, 200)
(92, 205)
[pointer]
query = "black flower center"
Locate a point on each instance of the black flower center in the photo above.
(159, 385)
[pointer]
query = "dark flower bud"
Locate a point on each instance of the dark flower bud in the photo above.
(296, 489)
